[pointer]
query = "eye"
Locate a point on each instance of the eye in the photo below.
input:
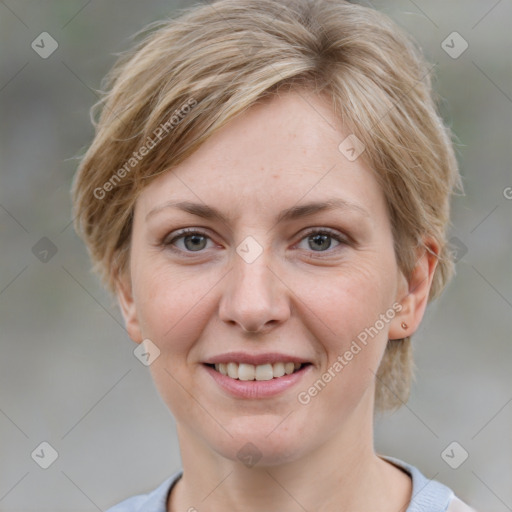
(319, 240)
(193, 240)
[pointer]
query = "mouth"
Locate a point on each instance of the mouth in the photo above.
(271, 378)
(261, 372)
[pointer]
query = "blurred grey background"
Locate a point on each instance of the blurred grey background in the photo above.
(68, 375)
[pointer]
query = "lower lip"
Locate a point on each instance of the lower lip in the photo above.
(257, 388)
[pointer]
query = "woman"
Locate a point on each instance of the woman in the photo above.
(267, 196)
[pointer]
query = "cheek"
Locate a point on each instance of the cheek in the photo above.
(172, 306)
(356, 306)
(351, 299)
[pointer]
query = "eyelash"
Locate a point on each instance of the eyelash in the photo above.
(343, 240)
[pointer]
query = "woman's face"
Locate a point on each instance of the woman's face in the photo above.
(263, 282)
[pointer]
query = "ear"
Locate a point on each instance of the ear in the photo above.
(128, 307)
(413, 293)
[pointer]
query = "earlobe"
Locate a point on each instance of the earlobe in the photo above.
(414, 292)
(128, 307)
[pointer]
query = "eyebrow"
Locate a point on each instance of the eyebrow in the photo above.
(295, 212)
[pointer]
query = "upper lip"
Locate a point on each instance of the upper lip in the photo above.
(254, 359)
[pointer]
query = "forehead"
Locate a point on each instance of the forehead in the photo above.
(277, 152)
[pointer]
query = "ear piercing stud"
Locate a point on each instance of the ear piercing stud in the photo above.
(404, 325)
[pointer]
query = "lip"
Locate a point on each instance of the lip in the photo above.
(255, 389)
(255, 359)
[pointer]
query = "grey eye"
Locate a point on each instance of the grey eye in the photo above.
(195, 242)
(319, 241)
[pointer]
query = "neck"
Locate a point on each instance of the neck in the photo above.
(339, 475)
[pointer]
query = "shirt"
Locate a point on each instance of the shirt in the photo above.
(427, 495)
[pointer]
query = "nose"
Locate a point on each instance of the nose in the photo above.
(254, 298)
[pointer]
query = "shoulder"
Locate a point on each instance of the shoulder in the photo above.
(154, 501)
(457, 505)
(429, 495)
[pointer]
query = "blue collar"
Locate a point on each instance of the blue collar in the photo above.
(427, 495)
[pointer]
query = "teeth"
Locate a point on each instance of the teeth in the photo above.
(288, 368)
(278, 369)
(245, 371)
(264, 372)
(233, 370)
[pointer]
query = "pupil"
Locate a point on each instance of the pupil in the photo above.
(324, 238)
(196, 242)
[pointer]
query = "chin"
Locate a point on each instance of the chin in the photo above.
(254, 447)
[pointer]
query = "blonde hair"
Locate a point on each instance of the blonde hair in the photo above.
(221, 58)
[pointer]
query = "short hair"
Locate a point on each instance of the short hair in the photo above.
(191, 75)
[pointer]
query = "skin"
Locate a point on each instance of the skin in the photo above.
(301, 296)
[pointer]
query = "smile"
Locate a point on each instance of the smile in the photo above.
(244, 371)
(261, 381)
